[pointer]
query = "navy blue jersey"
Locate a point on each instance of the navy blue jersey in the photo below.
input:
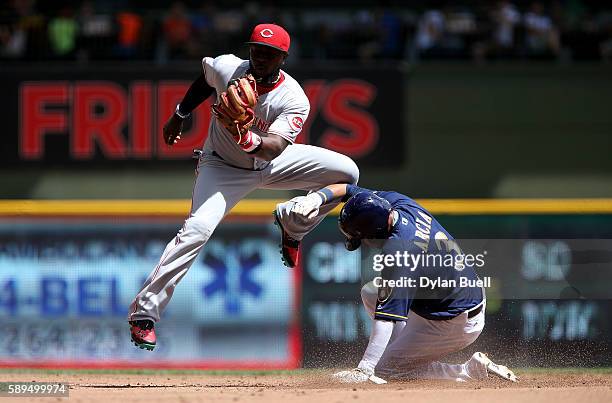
(416, 231)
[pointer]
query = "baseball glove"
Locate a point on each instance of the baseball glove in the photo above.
(234, 108)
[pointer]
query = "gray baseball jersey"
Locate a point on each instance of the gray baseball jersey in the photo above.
(282, 110)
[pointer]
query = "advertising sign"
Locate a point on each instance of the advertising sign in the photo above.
(100, 116)
(65, 288)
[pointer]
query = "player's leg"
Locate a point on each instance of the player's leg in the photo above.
(416, 351)
(217, 189)
(478, 367)
(307, 168)
(418, 343)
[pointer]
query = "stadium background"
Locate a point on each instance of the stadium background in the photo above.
(90, 194)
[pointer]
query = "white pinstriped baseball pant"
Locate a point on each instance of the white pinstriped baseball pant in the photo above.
(417, 344)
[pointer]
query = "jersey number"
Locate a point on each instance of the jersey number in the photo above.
(448, 246)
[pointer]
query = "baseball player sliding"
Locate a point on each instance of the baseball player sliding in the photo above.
(259, 112)
(413, 327)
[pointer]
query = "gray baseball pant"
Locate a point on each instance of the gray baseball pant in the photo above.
(218, 187)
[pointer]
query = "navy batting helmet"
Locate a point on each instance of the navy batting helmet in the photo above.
(364, 216)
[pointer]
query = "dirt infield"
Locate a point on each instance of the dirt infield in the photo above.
(316, 387)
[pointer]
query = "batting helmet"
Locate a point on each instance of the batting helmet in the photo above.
(364, 216)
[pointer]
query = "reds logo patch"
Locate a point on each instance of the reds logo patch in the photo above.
(296, 123)
(266, 33)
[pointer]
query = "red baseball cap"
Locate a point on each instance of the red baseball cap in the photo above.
(271, 35)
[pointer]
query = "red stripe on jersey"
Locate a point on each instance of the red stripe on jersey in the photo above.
(264, 89)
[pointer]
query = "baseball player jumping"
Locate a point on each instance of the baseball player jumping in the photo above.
(259, 112)
(413, 327)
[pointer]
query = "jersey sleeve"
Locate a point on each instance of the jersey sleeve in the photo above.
(391, 307)
(394, 301)
(352, 190)
(291, 120)
(219, 70)
(208, 66)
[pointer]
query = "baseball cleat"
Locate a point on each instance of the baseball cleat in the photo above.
(143, 334)
(498, 370)
(289, 247)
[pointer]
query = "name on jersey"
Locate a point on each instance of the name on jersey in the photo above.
(261, 124)
(423, 231)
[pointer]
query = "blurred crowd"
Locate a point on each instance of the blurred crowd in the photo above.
(161, 31)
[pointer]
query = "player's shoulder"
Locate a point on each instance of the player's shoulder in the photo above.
(223, 62)
(293, 92)
(293, 85)
(394, 197)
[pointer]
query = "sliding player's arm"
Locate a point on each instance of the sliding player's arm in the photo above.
(309, 205)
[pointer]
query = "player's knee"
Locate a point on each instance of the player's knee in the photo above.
(349, 170)
(200, 227)
(352, 171)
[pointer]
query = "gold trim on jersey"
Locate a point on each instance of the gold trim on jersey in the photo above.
(390, 314)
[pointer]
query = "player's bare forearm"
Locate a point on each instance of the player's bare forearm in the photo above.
(332, 193)
(271, 147)
(195, 95)
(309, 205)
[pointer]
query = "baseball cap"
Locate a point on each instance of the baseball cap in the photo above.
(271, 35)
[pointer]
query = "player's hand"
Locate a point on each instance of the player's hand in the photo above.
(172, 129)
(357, 375)
(308, 206)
